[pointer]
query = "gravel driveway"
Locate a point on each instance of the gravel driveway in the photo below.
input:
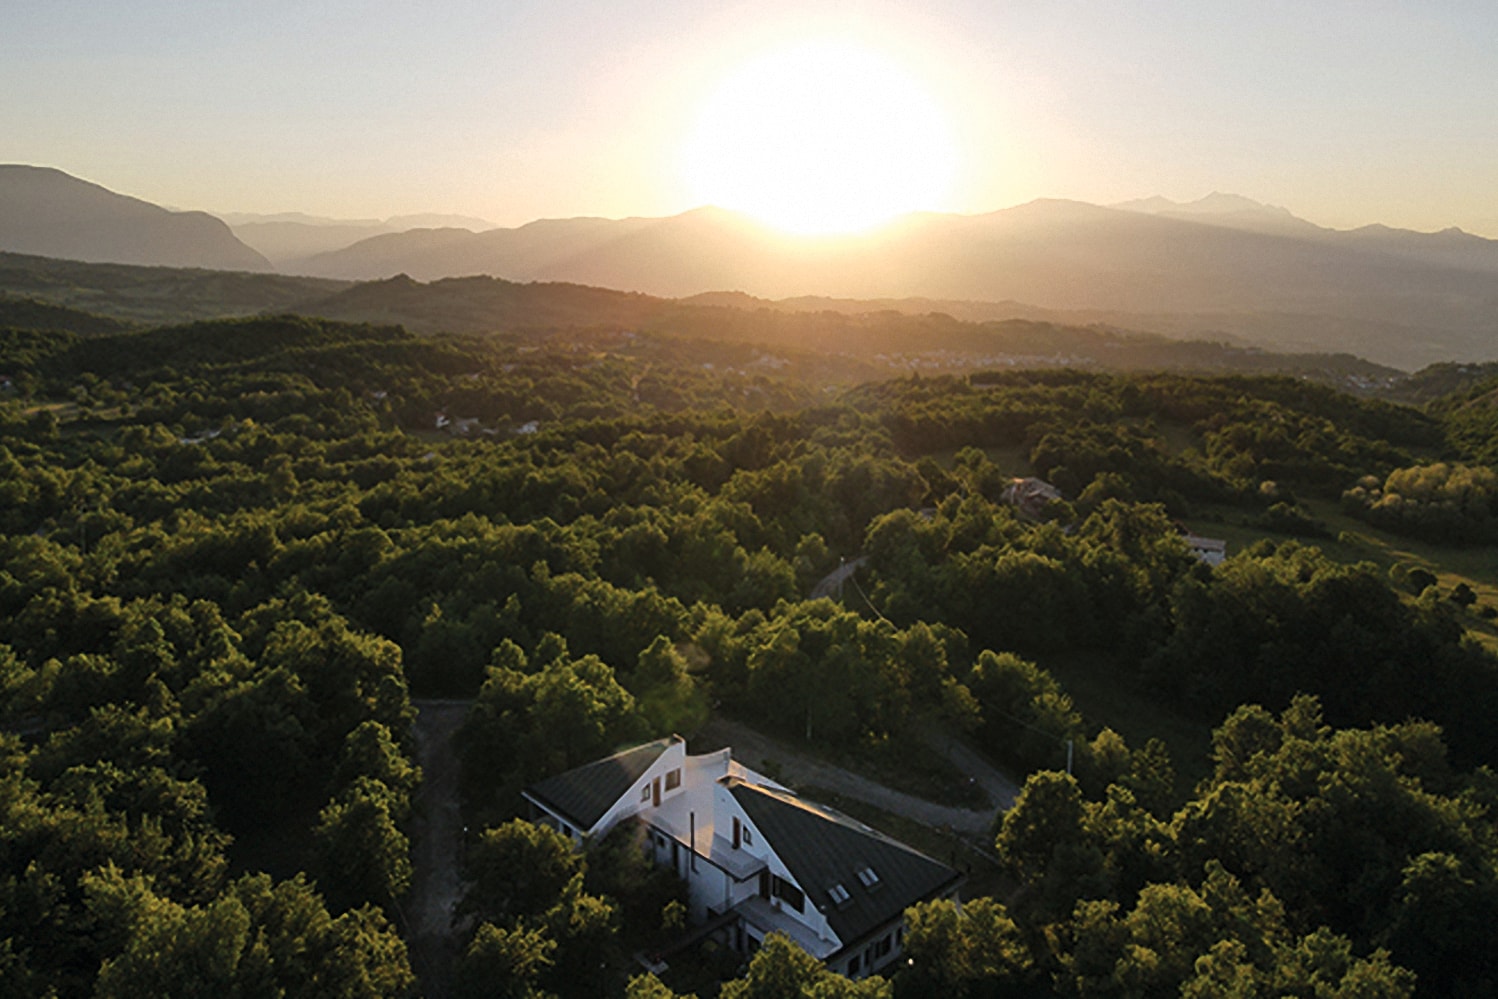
(437, 843)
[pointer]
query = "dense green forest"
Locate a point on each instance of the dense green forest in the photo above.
(234, 550)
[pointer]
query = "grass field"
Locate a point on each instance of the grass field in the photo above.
(1354, 541)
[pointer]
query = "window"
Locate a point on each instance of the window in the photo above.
(673, 779)
(793, 897)
(645, 793)
(883, 947)
(867, 877)
(839, 895)
(854, 964)
(748, 836)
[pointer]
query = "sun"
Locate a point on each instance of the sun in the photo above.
(821, 136)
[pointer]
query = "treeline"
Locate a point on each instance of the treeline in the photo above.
(1447, 504)
(1077, 427)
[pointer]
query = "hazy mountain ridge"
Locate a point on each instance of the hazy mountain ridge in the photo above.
(435, 253)
(49, 213)
(899, 339)
(288, 238)
(1450, 247)
(1398, 297)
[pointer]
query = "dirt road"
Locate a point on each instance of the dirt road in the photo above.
(437, 839)
(1000, 787)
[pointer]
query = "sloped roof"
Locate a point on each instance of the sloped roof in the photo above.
(583, 794)
(822, 848)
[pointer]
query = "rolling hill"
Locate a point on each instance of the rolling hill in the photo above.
(877, 339)
(155, 295)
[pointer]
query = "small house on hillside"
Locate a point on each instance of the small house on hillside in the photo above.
(1029, 496)
(756, 857)
(1209, 550)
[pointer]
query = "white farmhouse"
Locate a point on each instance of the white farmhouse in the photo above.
(1212, 551)
(756, 857)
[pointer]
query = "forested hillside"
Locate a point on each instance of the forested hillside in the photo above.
(233, 551)
(858, 341)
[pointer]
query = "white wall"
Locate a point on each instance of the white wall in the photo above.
(630, 803)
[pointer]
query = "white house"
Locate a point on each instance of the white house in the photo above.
(756, 857)
(1212, 551)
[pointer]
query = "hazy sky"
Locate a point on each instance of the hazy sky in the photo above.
(1343, 112)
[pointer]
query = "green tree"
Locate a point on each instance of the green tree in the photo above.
(966, 951)
(518, 869)
(361, 851)
(782, 970)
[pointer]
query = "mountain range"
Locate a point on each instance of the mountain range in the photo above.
(289, 237)
(1224, 267)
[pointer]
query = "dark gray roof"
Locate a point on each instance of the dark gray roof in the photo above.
(822, 848)
(583, 794)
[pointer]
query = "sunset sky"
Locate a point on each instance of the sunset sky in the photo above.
(1344, 112)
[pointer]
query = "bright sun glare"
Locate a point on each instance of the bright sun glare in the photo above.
(821, 136)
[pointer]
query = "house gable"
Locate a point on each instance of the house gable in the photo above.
(593, 797)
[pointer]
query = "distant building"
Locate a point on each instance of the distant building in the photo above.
(1208, 550)
(1029, 496)
(756, 858)
(459, 427)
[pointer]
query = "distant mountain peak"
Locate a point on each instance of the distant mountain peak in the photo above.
(1216, 203)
